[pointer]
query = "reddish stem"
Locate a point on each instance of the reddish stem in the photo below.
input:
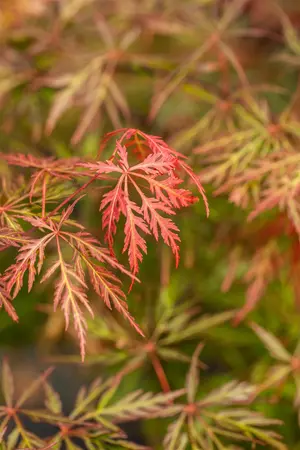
(160, 373)
(44, 197)
(223, 64)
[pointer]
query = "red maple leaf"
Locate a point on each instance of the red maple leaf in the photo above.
(145, 193)
(89, 258)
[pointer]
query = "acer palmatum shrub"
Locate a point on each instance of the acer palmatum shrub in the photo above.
(94, 204)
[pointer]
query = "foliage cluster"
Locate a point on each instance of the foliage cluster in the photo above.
(86, 88)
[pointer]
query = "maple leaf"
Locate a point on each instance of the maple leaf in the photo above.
(134, 139)
(200, 423)
(71, 285)
(156, 173)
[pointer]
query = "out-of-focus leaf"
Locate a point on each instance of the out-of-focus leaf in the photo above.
(273, 345)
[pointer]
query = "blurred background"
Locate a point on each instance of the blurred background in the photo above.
(72, 70)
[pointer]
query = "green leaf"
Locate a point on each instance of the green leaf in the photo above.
(139, 404)
(274, 346)
(52, 402)
(199, 326)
